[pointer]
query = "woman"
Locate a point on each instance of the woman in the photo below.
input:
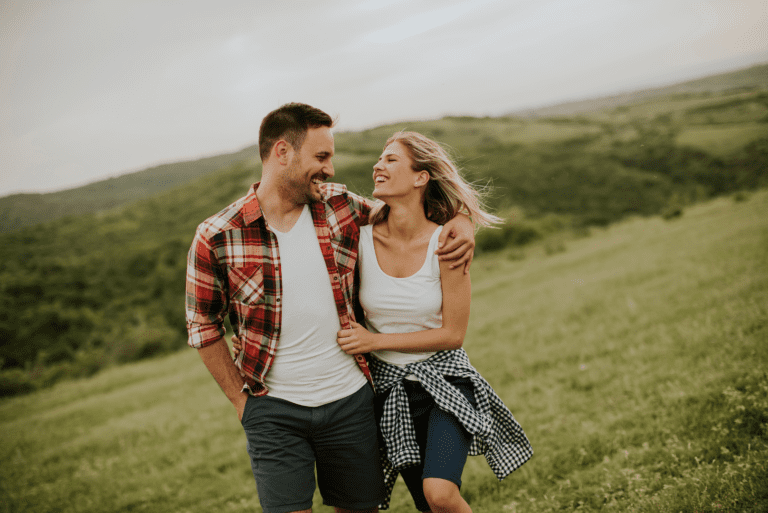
(434, 408)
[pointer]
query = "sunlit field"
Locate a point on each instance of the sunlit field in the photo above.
(634, 357)
(721, 140)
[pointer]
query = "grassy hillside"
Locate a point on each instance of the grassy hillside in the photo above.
(20, 210)
(634, 358)
(82, 292)
(601, 165)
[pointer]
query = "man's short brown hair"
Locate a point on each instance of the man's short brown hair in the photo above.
(290, 123)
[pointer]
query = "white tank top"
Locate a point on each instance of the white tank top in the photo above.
(309, 369)
(400, 305)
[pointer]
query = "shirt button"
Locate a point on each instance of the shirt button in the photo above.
(335, 278)
(278, 300)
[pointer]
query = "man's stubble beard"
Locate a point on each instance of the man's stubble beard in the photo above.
(295, 187)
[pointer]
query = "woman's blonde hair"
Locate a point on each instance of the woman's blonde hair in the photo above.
(447, 193)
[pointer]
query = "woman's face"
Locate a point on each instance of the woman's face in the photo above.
(393, 174)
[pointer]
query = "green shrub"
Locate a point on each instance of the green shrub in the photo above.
(145, 341)
(554, 245)
(672, 212)
(519, 234)
(490, 239)
(15, 382)
(740, 196)
(673, 209)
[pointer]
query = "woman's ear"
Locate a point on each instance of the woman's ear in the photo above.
(421, 179)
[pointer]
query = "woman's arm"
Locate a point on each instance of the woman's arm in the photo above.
(457, 292)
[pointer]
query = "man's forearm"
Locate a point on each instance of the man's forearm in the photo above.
(219, 363)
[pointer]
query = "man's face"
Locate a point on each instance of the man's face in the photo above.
(309, 167)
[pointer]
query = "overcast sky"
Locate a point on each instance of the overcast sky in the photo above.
(92, 89)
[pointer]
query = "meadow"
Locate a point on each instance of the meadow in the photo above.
(634, 356)
(103, 285)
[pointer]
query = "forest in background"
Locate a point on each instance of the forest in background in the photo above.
(106, 286)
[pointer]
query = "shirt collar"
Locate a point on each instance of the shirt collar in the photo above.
(251, 208)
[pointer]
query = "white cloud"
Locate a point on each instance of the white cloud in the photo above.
(419, 23)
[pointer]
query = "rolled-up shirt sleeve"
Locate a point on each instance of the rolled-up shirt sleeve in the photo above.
(206, 298)
(360, 207)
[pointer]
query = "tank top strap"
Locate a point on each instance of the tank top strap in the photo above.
(433, 264)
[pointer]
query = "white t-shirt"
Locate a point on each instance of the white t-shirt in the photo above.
(400, 305)
(309, 369)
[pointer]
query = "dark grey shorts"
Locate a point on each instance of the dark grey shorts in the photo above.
(286, 441)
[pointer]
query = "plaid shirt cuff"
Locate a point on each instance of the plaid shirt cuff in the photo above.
(202, 335)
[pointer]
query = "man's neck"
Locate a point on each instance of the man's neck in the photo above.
(279, 212)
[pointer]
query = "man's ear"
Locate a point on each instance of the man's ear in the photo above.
(282, 152)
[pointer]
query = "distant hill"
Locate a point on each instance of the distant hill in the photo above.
(754, 76)
(19, 210)
(612, 157)
(465, 133)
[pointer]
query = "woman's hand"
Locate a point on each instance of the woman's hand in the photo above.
(357, 340)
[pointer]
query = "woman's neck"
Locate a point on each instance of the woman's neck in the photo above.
(406, 223)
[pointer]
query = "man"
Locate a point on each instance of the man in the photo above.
(280, 262)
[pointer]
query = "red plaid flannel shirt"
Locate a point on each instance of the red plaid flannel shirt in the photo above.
(233, 267)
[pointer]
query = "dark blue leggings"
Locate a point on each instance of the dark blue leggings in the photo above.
(443, 441)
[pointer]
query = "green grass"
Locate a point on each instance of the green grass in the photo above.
(721, 140)
(627, 349)
(635, 359)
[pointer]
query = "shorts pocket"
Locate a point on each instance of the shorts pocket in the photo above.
(249, 412)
